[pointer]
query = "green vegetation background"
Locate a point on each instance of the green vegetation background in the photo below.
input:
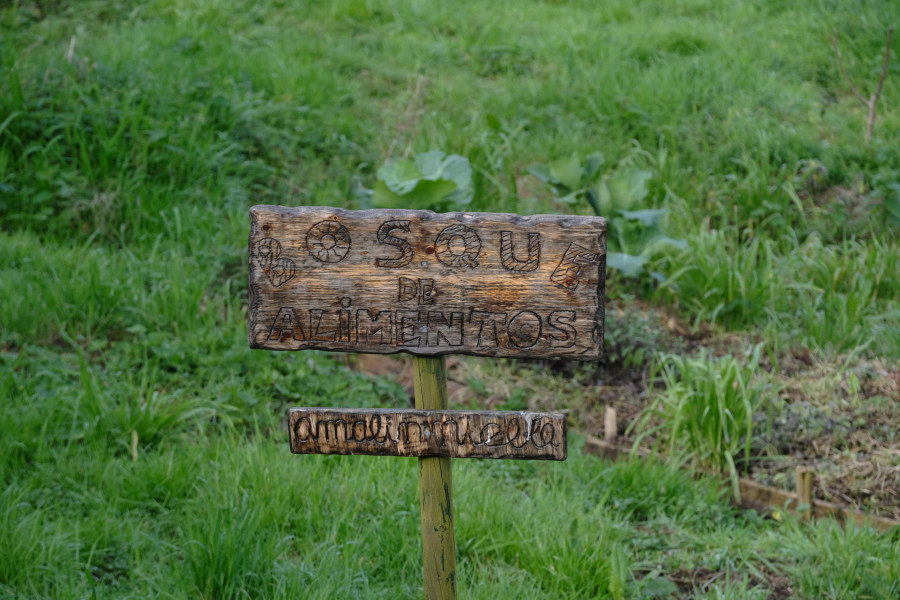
(141, 444)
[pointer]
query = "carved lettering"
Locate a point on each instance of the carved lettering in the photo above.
(384, 236)
(332, 427)
(463, 434)
(537, 433)
(487, 330)
(403, 435)
(367, 327)
(490, 435)
(344, 321)
(301, 429)
(378, 429)
(458, 246)
(439, 329)
(409, 290)
(514, 430)
(524, 329)
(286, 324)
(359, 431)
(508, 256)
(565, 334)
(318, 330)
(426, 292)
(409, 329)
(569, 269)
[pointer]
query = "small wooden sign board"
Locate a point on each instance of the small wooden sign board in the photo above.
(385, 281)
(423, 433)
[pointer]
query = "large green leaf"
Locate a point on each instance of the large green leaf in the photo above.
(436, 165)
(399, 175)
(592, 164)
(628, 264)
(435, 181)
(542, 172)
(567, 171)
(437, 195)
(604, 198)
(427, 195)
(626, 188)
(571, 198)
(648, 217)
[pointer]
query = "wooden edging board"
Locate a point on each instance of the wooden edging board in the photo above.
(425, 433)
(385, 281)
(756, 496)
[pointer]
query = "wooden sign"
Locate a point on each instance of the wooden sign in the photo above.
(384, 281)
(423, 433)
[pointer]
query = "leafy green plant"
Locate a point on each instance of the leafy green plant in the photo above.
(433, 181)
(634, 234)
(706, 411)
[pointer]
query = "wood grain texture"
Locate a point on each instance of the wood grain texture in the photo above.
(423, 433)
(385, 281)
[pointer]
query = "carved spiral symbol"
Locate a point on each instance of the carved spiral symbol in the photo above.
(458, 246)
(328, 241)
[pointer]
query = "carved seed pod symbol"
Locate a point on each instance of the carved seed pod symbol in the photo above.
(458, 246)
(278, 270)
(328, 241)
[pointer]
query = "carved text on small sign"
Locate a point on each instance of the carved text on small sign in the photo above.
(386, 281)
(422, 433)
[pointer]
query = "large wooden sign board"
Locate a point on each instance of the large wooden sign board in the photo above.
(383, 281)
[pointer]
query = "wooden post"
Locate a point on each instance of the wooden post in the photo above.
(804, 490)
(436, 488)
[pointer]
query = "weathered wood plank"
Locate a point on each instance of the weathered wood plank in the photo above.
(384, 281)
(423, 433)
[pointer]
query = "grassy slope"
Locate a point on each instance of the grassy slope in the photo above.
(133, 137)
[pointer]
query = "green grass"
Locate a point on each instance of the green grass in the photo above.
(142, 451)
(836, 297)
(707, 410)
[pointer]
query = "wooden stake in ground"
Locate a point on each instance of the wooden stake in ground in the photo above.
(436, 488)
(610, 432)
(805, 476)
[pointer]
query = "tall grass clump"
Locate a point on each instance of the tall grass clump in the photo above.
(706, 411)
(719, 280)
(24, 545)
(228, 551)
